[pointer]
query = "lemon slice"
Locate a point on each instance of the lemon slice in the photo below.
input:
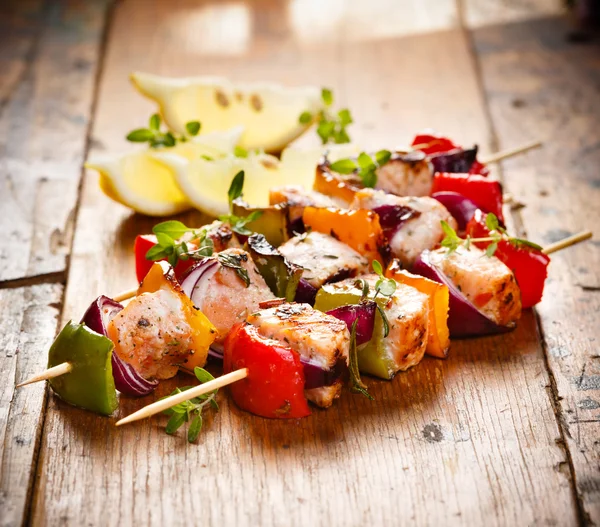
(268, 112)
(143, 183)
(205, 183)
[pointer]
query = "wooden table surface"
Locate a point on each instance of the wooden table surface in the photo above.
(506, 431)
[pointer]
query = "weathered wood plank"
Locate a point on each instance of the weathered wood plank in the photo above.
(50, 54)
(28, 318)
(466, 441)
(540, 85)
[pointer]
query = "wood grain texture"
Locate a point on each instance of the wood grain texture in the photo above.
(467, 441)
(28, 318)
(541, 85)
(50, 53)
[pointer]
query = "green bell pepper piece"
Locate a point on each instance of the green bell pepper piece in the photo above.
(373, 357)
(90, 384)
(281, 276)
(273, 222)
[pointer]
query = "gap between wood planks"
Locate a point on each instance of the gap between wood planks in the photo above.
(62, 275)
(552, 389)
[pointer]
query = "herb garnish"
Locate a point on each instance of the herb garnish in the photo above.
(155, 138)
(498, 233)
(238, 224)
(234, 261)
(168, 234)
(331, 128)
(191, 410)
(356, 384)
(365, 166)
(387, 287)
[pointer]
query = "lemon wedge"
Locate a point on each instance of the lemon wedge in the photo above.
(268, 112)
(205, 182)
(143, 183)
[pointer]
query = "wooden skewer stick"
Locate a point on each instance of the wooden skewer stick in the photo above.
(126, 295)
(50, 373)
(165, 404)
(567, 242)
(504, 154)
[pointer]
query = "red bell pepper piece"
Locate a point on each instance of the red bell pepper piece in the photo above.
(143, 243)
(485, 193)
(479, 168)
(275, 383)
(529, 265)
(435, 143)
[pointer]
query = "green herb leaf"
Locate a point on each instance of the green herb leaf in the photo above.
(345, 117)
(236, 188)
(491, 249)
(491, 222)
(154, 122)
(325, 130)
(364, 286)
(202, 375)
(377, 268)
(192, 127)
(174, 229)
(238, 151)
(344, 166)
(365, 161)
(169, 139)
(368, 177)
(175, 423)
(141, 135)
(382, 157)
(194, 429)
(387, 287)
(207, 158)
(356, 384)
(234, 261)
(327, 96)
(305, 118)
(384, 319)
(527, 243)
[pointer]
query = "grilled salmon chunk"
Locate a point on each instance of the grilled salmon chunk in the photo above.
(226, 300)
(323, 258)
(406, 175)
(486, 282)
(321, 340)
(421, 232)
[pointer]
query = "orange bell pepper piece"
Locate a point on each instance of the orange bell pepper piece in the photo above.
(360, 229)
(335, 186)
(438, 343)
(162, 276)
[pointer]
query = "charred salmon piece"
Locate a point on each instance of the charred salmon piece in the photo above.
(406, 175)
(323, 258)
(219, 233)
(421, 232)
(226, 299)
(297, 197)
(320, 339)
(486, 282)
(152, 334)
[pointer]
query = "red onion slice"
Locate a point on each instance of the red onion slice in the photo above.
(196, 281)
(458, 160)
(317, 377)
(305, 293)
(464, 319)
(127, 380)
(393, 217)
(462, 209)
(363, 314)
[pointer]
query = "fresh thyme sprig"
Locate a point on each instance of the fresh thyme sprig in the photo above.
(497, 234)
(331, 127)
(238, 223)
(364, 165)
(234, 261)
(155, 137)
(191, 411)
